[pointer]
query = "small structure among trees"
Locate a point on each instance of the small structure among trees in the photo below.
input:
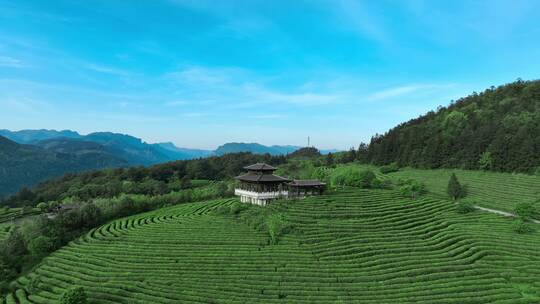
(302, 188)
(260, 186)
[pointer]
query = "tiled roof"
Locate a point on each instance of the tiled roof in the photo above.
(306, 183)
(260, 167)
(254, 177)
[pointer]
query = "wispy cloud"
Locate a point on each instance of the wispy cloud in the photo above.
(208, 77)
(359, 17)
(263, 95)
(405, 90)
(195, 114)
(22, 104)
(268, 116)
(239, 88)
(106, 69)
(176, 103)
(127, 118)
(10, 62)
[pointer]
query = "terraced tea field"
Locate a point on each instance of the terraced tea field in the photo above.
(348, 247)
(489, 189)
(501, 191)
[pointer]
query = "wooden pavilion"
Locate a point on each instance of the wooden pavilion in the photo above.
(260, 185)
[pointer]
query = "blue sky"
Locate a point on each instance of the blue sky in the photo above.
(202, 73)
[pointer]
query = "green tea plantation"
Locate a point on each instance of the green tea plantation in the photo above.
(350, 246)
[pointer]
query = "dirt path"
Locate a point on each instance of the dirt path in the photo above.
(499, 212)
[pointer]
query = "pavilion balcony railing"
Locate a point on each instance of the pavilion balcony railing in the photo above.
(261, 195)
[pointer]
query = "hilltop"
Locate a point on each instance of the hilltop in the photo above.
(498, 129)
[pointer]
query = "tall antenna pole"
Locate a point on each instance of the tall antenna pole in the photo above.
(308, 141)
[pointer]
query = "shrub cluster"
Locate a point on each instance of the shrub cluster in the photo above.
(526, 211)
(260, 218)
(393, 167)
(520, 226)
(411, 188)
(356, 177)
(465, 207)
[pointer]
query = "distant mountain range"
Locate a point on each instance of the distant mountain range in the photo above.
(256, 148)
(30, 156)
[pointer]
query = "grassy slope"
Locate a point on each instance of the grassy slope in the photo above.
(369, 246)
(501, 191)
(493, 190)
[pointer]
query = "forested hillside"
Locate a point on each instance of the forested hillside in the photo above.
(26, 165)
(498, 129)
(155, 180)
(254, 148)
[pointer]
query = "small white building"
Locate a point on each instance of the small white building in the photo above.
(260, 186)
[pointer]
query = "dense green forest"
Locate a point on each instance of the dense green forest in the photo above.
(497, 130)
(155, 180)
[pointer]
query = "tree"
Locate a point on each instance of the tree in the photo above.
(329, 159)
(454, 189)
(275, 226)
(74, 295)
(485, 162)
(185, 182)
(412, 188)
(361, 155)
(526, 210)
(40, 246)
(354, 177)
(366, 179)
(221, 189)
(350, 156)
(91, 215)
(43, 207)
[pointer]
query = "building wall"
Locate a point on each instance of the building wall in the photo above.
(263, 198)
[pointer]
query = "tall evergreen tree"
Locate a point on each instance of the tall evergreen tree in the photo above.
(455, 190)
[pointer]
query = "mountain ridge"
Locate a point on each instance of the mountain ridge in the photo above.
(68, 151)
(23, 165)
